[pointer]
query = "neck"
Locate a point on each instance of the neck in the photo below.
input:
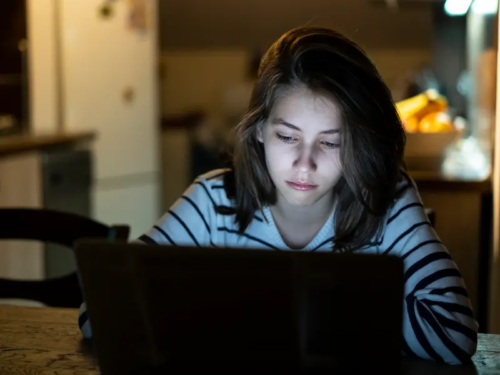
(317, 213)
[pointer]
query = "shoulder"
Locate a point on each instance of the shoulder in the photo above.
(407, 204)
(214, 177)
(194, 217)
(209, 193)
(406, 220)
(407, 198)
(212, 187)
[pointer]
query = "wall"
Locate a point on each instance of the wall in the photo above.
(494, 282)
(43, 66)
(201, 24)
(206, 44)
(196, 78)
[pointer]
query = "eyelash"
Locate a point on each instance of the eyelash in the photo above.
(288, 139)
(284, 138)
(331, 145)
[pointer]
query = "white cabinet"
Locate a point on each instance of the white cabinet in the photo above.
(21, 186)
(109, 79)
(134, 205)
(110, 84)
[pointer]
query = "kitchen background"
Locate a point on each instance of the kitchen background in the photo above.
(109, 108)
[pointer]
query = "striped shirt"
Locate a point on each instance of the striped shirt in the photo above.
(438, 322)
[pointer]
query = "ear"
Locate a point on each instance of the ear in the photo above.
(260, 132)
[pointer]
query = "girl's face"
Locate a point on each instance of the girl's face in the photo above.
(301, 142)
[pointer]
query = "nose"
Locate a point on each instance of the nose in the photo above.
(305, 162)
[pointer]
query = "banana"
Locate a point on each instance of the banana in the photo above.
(416, 105)
(410, 106)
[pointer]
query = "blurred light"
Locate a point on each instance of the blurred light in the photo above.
(485, 6)
(457, 7)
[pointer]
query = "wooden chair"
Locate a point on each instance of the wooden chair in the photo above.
(56, 227)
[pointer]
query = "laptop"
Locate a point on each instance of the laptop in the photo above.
(168, 309)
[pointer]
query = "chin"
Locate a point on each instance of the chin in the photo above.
(300, 204)
(302, 201)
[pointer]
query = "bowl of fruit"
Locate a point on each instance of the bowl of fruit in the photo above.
(429, 128)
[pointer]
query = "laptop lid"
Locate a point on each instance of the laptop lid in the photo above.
(184, 308)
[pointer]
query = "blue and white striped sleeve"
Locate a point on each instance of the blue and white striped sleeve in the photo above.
(438, 322)
(186, 223)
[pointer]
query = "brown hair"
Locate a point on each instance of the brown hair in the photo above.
(372, 140)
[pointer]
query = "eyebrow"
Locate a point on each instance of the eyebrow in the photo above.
(280, 121)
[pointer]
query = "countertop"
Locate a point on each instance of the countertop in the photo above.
(437, 181)
(15, 144)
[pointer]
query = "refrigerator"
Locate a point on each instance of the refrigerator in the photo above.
(107, 53)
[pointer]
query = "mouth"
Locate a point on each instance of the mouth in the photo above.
(301, 186)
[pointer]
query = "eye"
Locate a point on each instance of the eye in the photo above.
(285, 138)
(330, 145)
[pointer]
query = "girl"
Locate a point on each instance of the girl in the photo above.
(316, 166)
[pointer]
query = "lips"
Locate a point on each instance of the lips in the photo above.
(301, 186)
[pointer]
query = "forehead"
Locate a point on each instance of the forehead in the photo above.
(304, 108)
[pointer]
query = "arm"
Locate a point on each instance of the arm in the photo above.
(438, 322)
(187, 223)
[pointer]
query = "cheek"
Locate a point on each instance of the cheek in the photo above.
(335, 160)
(278, 156)
(330, 161)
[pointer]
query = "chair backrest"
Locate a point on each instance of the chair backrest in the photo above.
(58, 227)
(51, 226)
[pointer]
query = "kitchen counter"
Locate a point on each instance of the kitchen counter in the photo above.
(52, 171)
(436, 181)
(11, 145)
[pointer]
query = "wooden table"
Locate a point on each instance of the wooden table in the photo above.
(47, 341)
